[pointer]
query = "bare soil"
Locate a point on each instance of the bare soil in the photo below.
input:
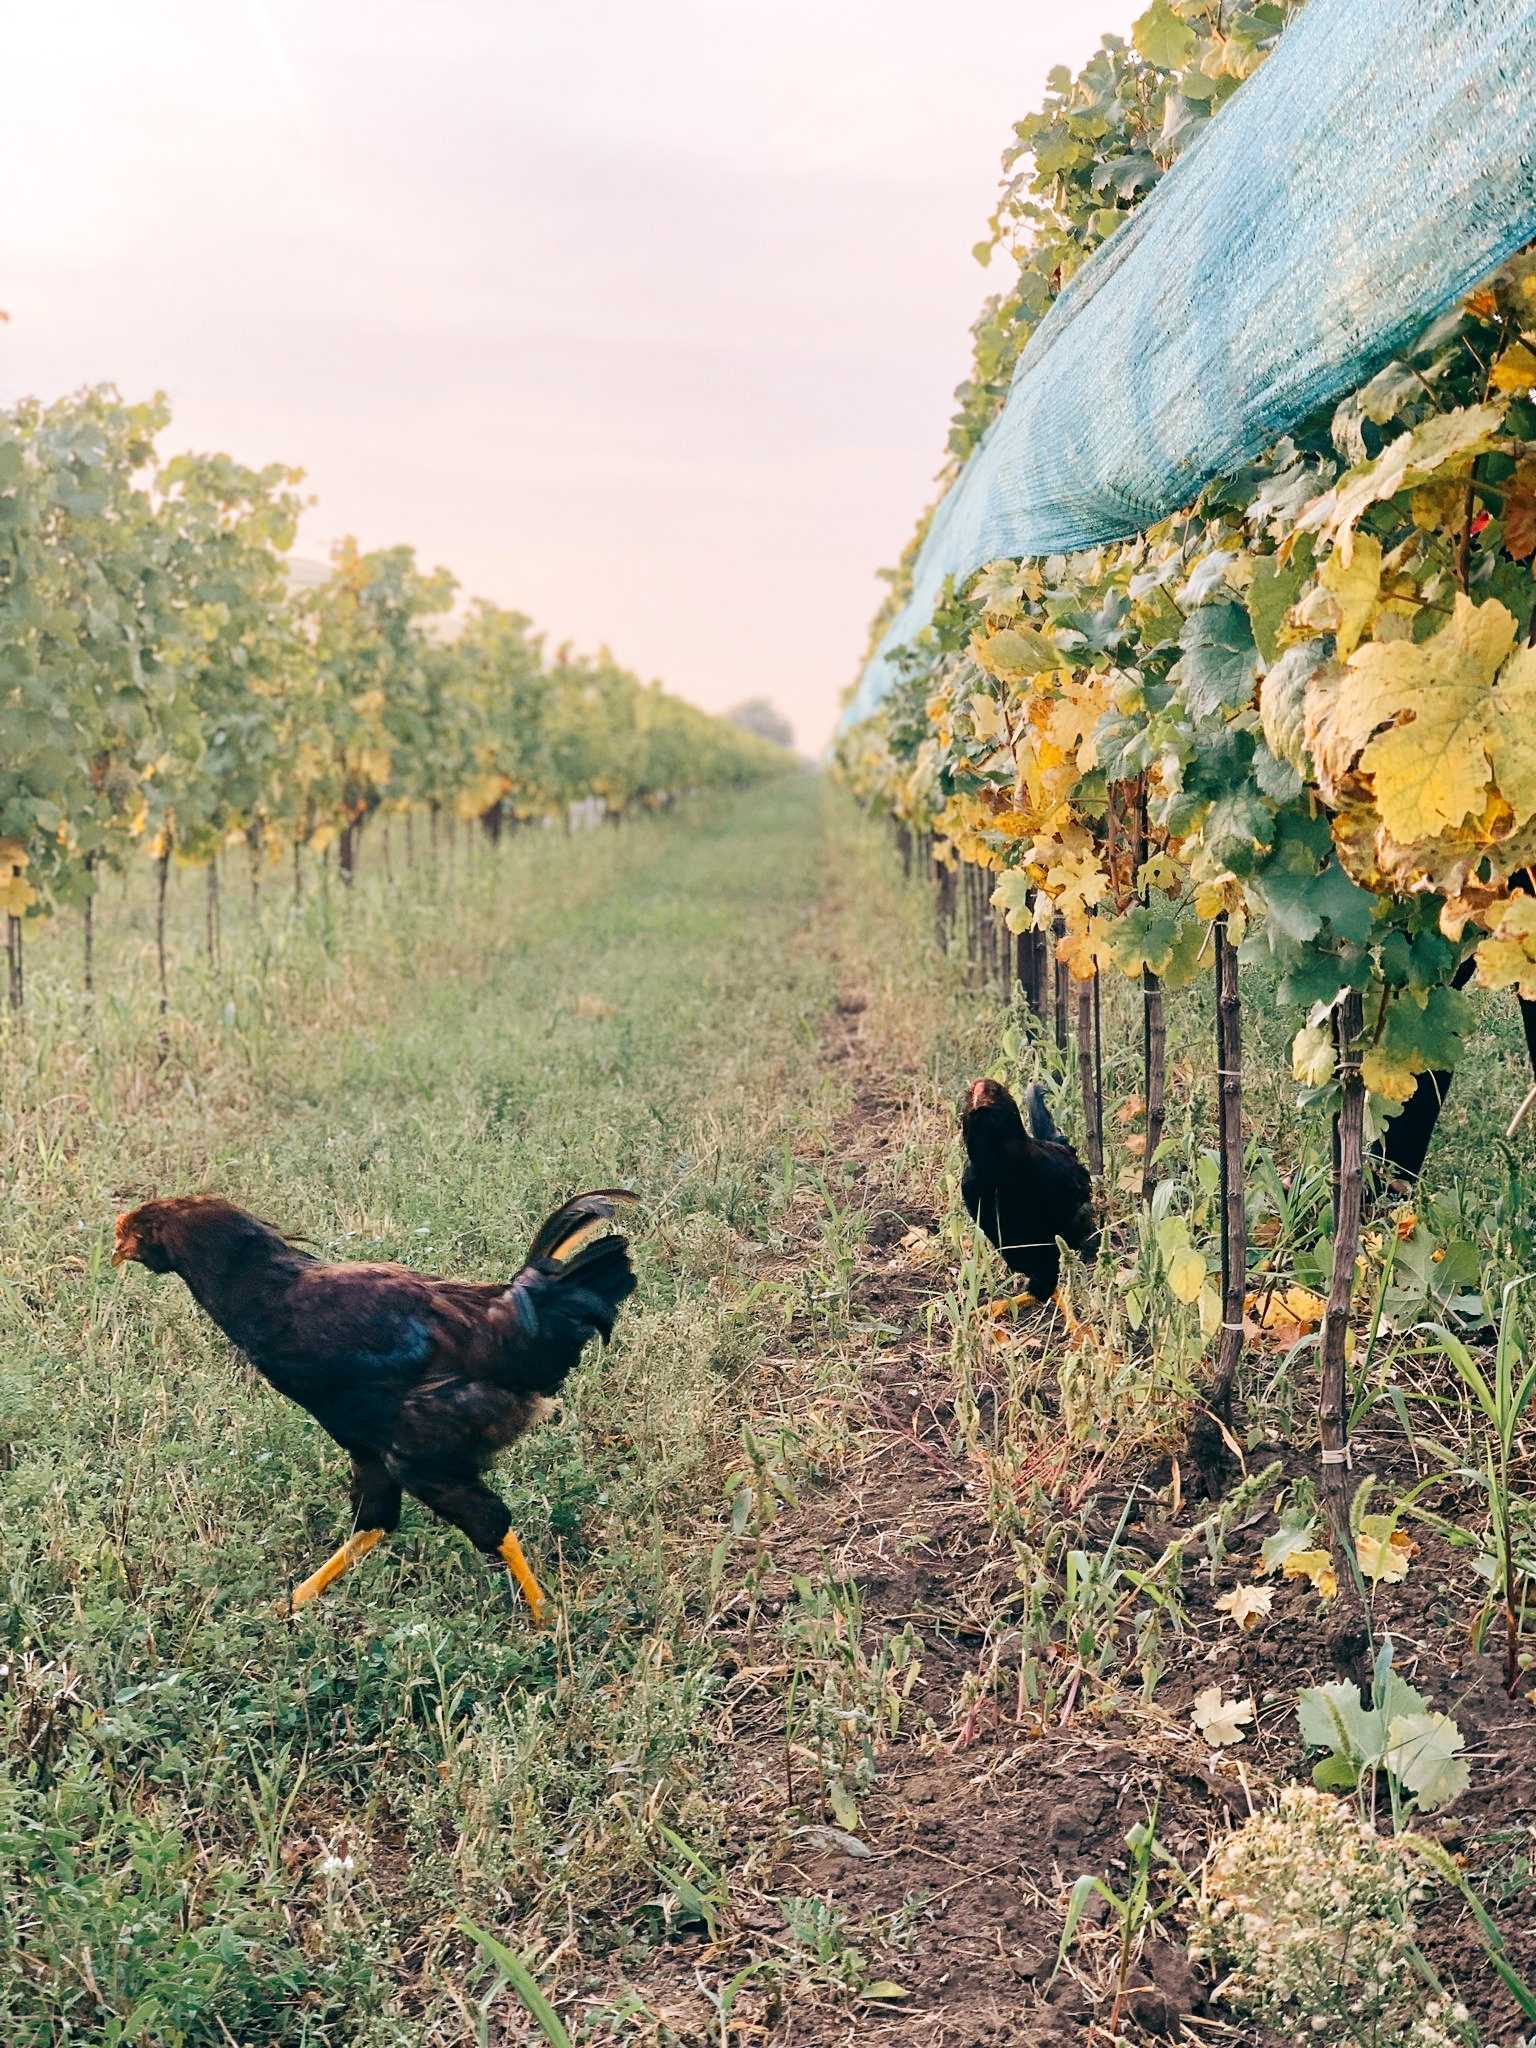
(982, 1816)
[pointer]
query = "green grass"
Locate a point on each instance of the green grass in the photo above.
(217, 1824)
(404, 1818)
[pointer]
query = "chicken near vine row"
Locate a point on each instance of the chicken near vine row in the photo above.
(1024, 1186)
(421, 1380)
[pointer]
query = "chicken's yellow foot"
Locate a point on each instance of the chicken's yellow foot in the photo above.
(356, 1546)
(1063, 1306)
(511, 1554)
(1010, 1305)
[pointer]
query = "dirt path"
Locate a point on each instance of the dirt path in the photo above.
(941, 1881)
(900, 1847)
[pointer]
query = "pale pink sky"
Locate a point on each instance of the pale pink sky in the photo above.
(643, 318)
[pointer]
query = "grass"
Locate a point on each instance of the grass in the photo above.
(222, 1825)
(403, 1818)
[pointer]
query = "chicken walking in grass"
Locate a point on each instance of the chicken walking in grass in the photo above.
(422, 1381)
(1024, 1187)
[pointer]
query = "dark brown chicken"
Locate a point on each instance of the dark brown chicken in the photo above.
(420, 1380)
(1023, 1185)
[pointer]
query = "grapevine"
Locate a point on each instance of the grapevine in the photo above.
(1297, 714)
(167, 690)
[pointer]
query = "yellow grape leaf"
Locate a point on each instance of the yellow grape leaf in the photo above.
(1383, 1551)
(16, 897)
(1411, 459)
(1473, 723)
(1288, 1306)
(1014, 897)
(1212, 898)
(1160, 871)
(1220, 1721)
(1015, 653)
(1440, 506)
(13, 854)
(1313, 1055)
(1390, 1072)
(1209, 1306)
(1507, 959)
(1186, 1273)
(1515, 370)
(986, 717)
(1355, 585)
(1316, 1567)
(1247, 1604)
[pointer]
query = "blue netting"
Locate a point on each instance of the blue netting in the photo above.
(1380, 162)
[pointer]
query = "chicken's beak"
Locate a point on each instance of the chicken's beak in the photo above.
(124, 1246)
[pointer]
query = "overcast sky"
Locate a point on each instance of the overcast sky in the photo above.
(642, 317)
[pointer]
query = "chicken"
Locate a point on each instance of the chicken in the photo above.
(420, 1380)
(1024, 1187)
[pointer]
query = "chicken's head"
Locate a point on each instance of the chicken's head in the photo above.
(140, 1237)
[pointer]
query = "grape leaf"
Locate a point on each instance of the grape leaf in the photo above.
(1218, 667)
(1423, 1754)
(1275, 588)
(1283, 697)
(1316, 1567)
(1355, 585)
(1520, 513)
(1162, 38)
(1221, 1721)
(1507, 959)
(1293, 1534)
(1334, 1716)
(1186, 1274)
(1472, 723)
(1016, 652)
(1515, 369)
(1410, 459)
(1384, 1552)
(1247, 1604)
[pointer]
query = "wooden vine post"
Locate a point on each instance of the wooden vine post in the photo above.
(1350, 1635)
(1154, 1030)
(943, 900)
(1088, 1072)
(1062, 982)
(88, 927)
(15, 982)
(211, 913)
(1234, 1230)
(162, 879)
(1154, 1067)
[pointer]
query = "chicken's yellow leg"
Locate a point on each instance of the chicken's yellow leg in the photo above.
(356, 1546)
(1060, 1302)
(511, 1553)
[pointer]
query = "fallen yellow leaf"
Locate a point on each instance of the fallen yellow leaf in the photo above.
(1316, 1567)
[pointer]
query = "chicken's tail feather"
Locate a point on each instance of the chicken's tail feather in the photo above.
(1041, 1123)
(574, 1223)
(559, 1304)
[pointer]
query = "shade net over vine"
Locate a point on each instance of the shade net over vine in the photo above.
(1379, 164)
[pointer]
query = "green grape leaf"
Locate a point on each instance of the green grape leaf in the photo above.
(1162, 38)
(1218, 667)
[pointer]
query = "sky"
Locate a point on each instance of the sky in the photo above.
(642, 318)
